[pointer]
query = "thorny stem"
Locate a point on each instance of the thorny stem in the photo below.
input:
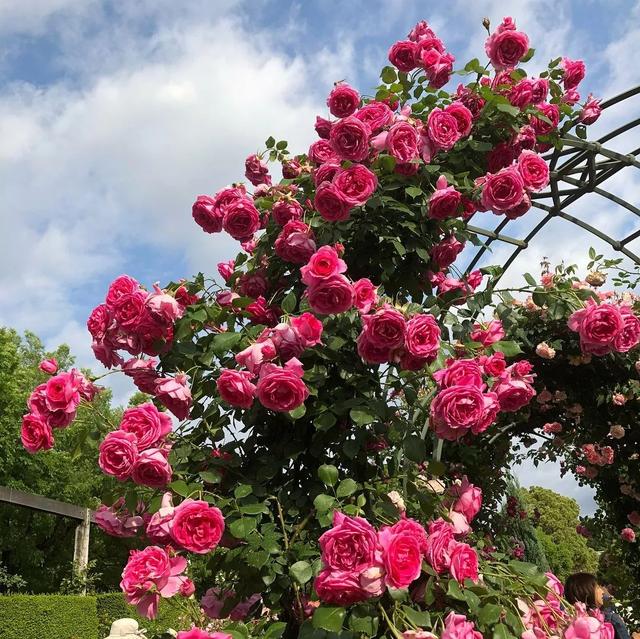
(390, 624)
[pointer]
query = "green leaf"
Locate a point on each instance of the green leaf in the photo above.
(242, 491)
(270, 142)
(346, 487)
(298, 412)
(363, 621)
(240, 528)
(282, 144)
(328, 474)
(388, 75)
(179, 487)
(413, 191)
(489, 614)
(415, 449)
(454, 591)
(325, 421)
(420, 618)
(275, 630)
(328, 618)
(508, 348)
(289, 303)
(253, 509)
(210, 477)
(473, 601)
(528, 55)
(301, 571)
(530, 280)
(323, 503)
(361, 416)
(508, 108)
(224, 342)
(502, 632)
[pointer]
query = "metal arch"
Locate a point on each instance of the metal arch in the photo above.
(580, 167)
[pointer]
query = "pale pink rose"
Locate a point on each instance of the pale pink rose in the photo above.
(598, 326)
(366, 295)
(513, 394)
(343, 100)
(116, 520)
(36, 434)
(339, 587)
(159, 526)
(396, 499)
(322, 127)
(174, 394)
(324, 263)
(197, 526)
(321, 151)
(552, 113)
(402, 142)
(256, 170)
(591, 111)
(619, 399)
(422, 336)
(487, 334)
(445, 202)
(375, 114)
(49, 366)
(442, 129)
(534, 171)
(628, 535)
(356, 184)
(464, 562)
(372, 580)
(255, 355)
(118, 454)
(506, 46)
(418, 634)
(241, 219)
(617, 431)
(207, 215)
(163, 307)
(150, 574)
(545, 351)
(285, 210)
(309, 328)
(459, 522)
(235, 387)
(438, 545)
(143, 373)
(152, 468)
(281, 389)
(402, 55)
(468, 498)
(459, 627)
(446, 251)
(588, 625)
(350, 545)
(402, 556)
(296, 243)
(504, 190)
(332, 295)
(573, 72)
(349, 138)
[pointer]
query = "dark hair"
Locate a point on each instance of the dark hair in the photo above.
(581, 587)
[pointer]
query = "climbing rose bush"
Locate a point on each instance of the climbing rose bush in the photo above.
(303, 403)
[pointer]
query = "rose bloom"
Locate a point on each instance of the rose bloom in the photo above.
(118, 454)
(226, 269)
(343, 100)
(291, 169)
(282, 389)
(197, 526)
(235, 387)
(197, 633)
(506, 46)
(574, 72)
(402, 55)
(470, 99)
(521, 94)
(446, 251)
(36, 434)
(287, 341)
(122, 285)
(356, 184)
(309, 329)
(375, 114)
(439, 542)
(552, 427)
(588, 625)
(422, 336)
(598, 326)
(366, 295)
(591, 111)
(628, 535)
(321, 152)
(339, 587)
(630, 335)
(459, 627)
(296, 242)
(402, 142)
(442, 129)
(445, 201)
(147, 423)
(464, 563)
(159, 526)
(545, 351)
(634, 518)
(551, 112)
(330, 202)
(402, 556)
(206, 215)
(468, 498)
(349, 138)
(370, 352)
(214, 600)
(385, 328)
(241, 219)
(116, 521)
(534, 171)
(350, 545)
(152, 469)
(285, 210)
(322, 127)
(253, 284)
(513, 394)
(174, 394)
(463, 117)
(460, 372)
(332, 295)
(503, 190)
(99, 321)
(49, 366)
(142, 372)
(487, 334)
(324, 263)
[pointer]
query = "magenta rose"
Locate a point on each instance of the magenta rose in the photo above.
(351, 544)
(356, 184)
(630, 334)
(130, 310)
(143, 373)
(349, 138)
(174, 394)
(152, 468)
(591, 111)
(197, 633)
(330, 202)
(285, 210)
(118, 454)
(487, 334)
(226, 269)
(62, 392)
(460, 372)
(439, 542)
(197, 526)
(470, 99)
(370, 352)
(402, 55)
(402, 142)
(468, 498)
(99, 321)
(241, 219)
(339, 587)
(598, 326)
(325, 172)
(147, 423)
(49, 366)
(281, 389)
(446, 251)
(385, 328)
(459, 627)
(534, 171)
(253, 284)
(287, 341)
(206, 214)
(296, 242)
(324, 263)
(513, 394)
(116, 520)
(503, 190)
(122, 285)
(291, 169)
(343, 100)
(321, 152)
(322, 127)
(573, 73)
(464, 563)
(462, 115)
(402, 556)
(552, 113)
(422, 336)
(309, 328)
(332, 295)
(445, 201)
(628, 535)
(35, 433)
(501, 156)
(506, 46)
(256, 171)
(375, 114)
(235, 387)
(540, 90)
(366, 295)
(442, 129)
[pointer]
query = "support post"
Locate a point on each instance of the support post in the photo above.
(81, 547)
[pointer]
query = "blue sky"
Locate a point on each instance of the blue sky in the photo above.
(115, 115)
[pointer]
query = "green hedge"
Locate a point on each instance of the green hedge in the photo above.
(73, 617)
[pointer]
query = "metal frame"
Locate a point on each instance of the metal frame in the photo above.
(581, 167)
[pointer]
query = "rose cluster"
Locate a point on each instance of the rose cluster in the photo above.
(117, 521)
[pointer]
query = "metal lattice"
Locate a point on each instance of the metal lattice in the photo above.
(581, 167)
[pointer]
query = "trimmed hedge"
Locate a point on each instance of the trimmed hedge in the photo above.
(73, 617)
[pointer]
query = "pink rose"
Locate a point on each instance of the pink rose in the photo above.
(540, 90)
(322, 127)
(351, 545)
(329, 201)
(296, 242)
(147, 423)
(521, 94)
(174, 394)
(152, 468)
(446, 251)
(634, 518)
(349, 138)
(459, 627)
(591, 111)
(445, 201)
(573, 73)
(253, 284)
(116, 520)
(36, 434)
(630, 335)
(255, 355)
(256, 171)
(506, 46)
(150, 574)
(439, 542)
(370, 352)
(554, 585)
(402, 55)
(356, 184)
(226, 269)
(321, 152)
(291, 169)
(471, 99)
(62, 392)
(464, 563)
(235, 387)
(589, 625)
(197, 526)
(118, 454)
(462, 115)
(375, 114)
(598, 325)
(130, 310)
(339, 587)
(628, 535)
(571, 97)
(197, 633)
(442, 129)
(325, 172)
(163, 307)
(503, 190)
(206, 214)
(241, 219)
(468, 498)
(287, 341)
(487, 334)
(122, 285)
(402, 142)
(402, 556)
(49, 366)
(385, 328)
(552, 113)
(534, 171)
(159, 526)
(214, 601)
(285, 210)
(460, 372)
(99, 321)
(366, 295)
(343, 100)
(309, 328)
(422, 336)
(513, 394)
(494, 365)
(459, 409)
(524, 139)
(282, 389)
(501, 156)
(331, 295)
(143, 373)
(324, 263)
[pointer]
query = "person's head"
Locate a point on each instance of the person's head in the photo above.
(584, 588)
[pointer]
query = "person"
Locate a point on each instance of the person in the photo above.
(126, 629)
(583, 587)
